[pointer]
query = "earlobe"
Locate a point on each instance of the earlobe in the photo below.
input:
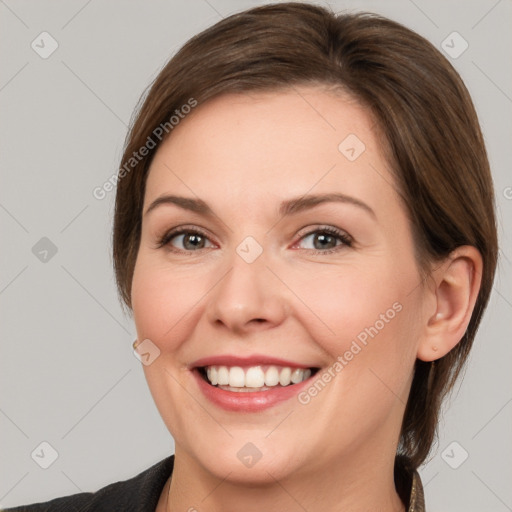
(457, 283)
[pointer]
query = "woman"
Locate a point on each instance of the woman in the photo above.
(305, 234)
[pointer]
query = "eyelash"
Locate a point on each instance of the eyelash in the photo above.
(342, 236)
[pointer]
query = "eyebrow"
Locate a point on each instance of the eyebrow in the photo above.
(288, 207)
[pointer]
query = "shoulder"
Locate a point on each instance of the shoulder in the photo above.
(140, 493)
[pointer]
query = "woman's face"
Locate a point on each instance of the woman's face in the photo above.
(295, 253)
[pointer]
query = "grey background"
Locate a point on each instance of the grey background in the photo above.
(67, 372)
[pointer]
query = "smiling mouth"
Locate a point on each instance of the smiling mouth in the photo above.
(254, 378)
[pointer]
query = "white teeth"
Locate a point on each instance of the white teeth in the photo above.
(272, 376)
(236, 377)
(284, 376)
(255, 376)
(223, 376)
(297, 375)
(212, 375)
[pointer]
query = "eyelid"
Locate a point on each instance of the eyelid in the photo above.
(312, 228)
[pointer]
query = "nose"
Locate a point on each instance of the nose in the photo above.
(248, 298)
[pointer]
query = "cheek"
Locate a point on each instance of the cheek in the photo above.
(163, 298)
(368, 317)
(339, 304)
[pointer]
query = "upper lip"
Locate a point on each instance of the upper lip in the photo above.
(253, 360)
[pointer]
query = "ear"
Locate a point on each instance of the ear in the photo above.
(454, 291)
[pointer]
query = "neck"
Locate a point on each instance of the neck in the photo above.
(331, 487)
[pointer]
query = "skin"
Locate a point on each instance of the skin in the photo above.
(243, 155)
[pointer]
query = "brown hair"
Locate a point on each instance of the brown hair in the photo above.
(431, 136)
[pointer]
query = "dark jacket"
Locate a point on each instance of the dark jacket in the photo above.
(138, 494)
(142, 492)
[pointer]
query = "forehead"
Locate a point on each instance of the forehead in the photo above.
(273, 144)
(300, 114)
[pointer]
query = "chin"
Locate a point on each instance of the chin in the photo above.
(244, 462)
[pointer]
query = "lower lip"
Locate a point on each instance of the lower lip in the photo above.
(248, 401)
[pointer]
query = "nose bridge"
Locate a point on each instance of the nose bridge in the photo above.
(248, 295)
